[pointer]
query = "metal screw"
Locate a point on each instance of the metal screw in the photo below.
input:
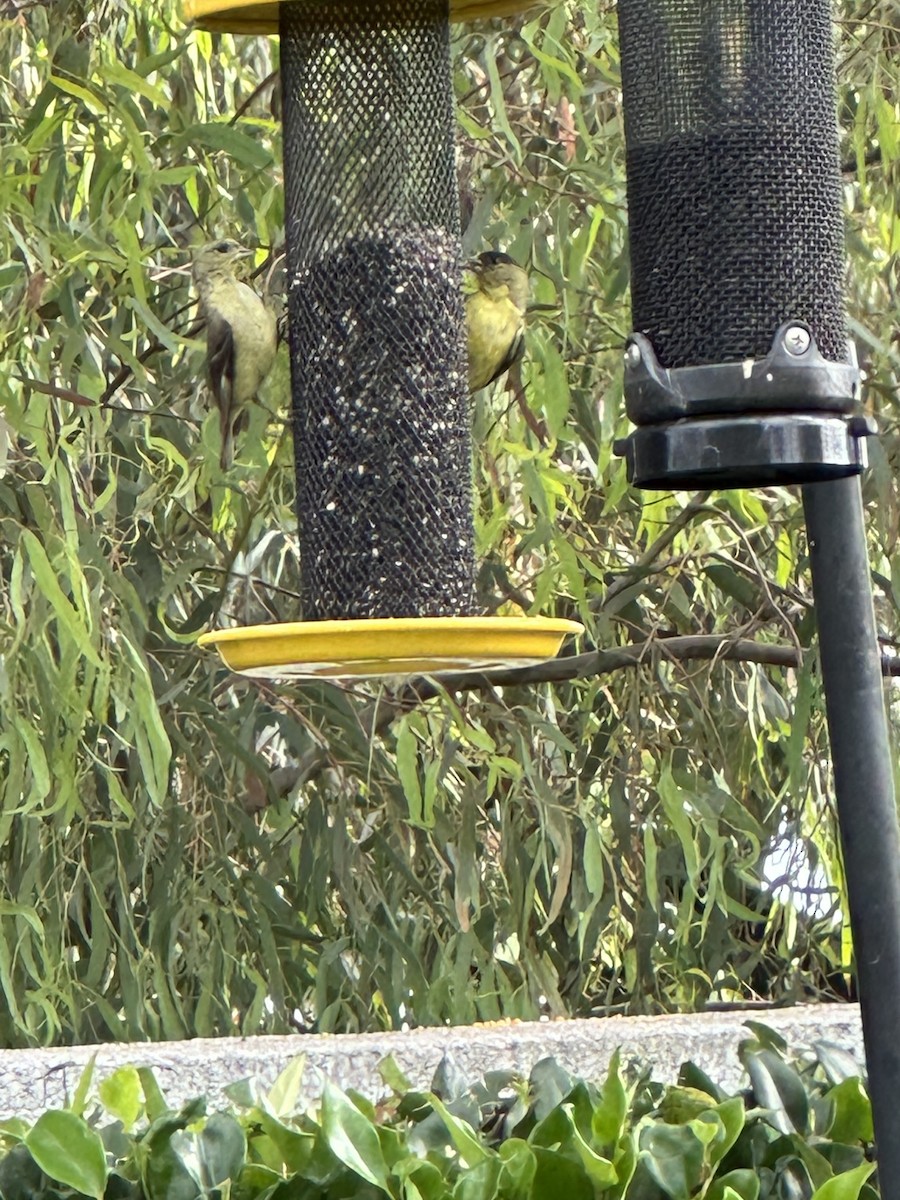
(632, 355)
(796, 339)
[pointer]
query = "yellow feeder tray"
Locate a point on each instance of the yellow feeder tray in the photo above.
(389, 646)
(261, 16)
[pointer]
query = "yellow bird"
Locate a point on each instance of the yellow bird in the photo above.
(496, 299)
(241, 337)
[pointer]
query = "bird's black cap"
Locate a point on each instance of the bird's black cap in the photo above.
(493, 258)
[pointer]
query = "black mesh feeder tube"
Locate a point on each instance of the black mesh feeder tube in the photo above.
(381, 417)
(737, 250)
(381, 429)
(739, 373)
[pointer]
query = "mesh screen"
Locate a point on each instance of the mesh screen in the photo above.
(733, 175)
(380, 403)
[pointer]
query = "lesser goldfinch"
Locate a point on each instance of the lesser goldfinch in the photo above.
(496, 299)
(240, 337)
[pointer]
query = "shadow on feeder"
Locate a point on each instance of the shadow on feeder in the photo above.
(379, 381)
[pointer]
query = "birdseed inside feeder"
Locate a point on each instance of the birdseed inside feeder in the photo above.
(381, 421)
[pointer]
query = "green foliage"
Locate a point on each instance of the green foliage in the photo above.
(187, 853)
(503, 1138)
(68, 1151)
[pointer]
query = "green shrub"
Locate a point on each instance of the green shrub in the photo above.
(801, 1129)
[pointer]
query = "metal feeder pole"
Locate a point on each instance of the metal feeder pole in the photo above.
(864, 785)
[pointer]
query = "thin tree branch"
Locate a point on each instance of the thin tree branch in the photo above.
(587, 666)
(377, 716)
(697, 504)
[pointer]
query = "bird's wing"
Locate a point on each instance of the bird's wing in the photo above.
(282, 327)
(495, 339)
(513, 354)
(220, 360)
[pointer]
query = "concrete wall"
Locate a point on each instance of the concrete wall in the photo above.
(32, 1080)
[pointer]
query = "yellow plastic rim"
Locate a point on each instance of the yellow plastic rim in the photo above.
(388, 646)
(261, 16)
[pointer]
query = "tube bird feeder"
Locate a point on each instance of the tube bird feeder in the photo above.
(381, 422)
(740, 373)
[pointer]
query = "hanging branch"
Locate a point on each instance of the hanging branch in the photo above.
(377, 716)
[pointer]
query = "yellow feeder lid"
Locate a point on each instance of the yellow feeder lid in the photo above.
(388, 646)
(261, 16)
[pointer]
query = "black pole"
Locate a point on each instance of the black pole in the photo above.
(863, 776)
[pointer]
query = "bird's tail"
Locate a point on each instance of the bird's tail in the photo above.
(226, 456)
(230, 426)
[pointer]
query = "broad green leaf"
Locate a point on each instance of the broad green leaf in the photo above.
(153, 1098)
(742, 1183)
(500, 115)
(284, 1093)
(464, 1138)
(293, 1148)
(351, 1137)
(600, 1170)
(167, 1175)
(839, 1064)
(479, 1182)
(122, 1095)
(550, 1084)
(673, 800)
(846, 1186)
(674, 1157)
(20, 1175)
(766, 1037)
(682, 1104)
(393, 1076)
(519, 1167)
(732, 1115)
(651, 859)
(778, 1087)
(608, 1118)
(150, 734)
(553, 388)
(93, 102)
(116, 72)
(67, 1149)
(222, 1148)
(556, 1176)
(852, 1112)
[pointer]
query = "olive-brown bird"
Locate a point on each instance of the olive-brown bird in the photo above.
(496, 299)
(241, 337)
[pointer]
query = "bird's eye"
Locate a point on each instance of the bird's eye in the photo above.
(222, 247)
